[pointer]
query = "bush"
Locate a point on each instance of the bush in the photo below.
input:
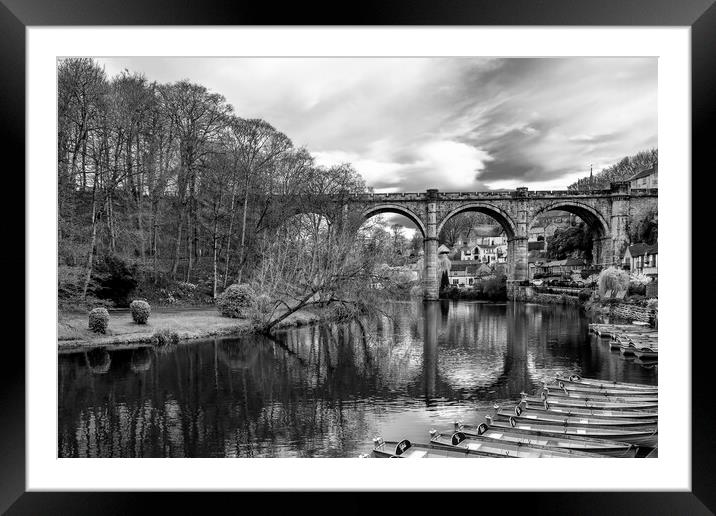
(165, 337)
(98, 320)
(140, 311)
(636, 289)
(652, 304)
(236, 301)
(585, 294)
(262, 303)
(613, 279)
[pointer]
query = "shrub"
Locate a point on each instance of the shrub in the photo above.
(262, 303)
(165, 336)
(140, 311)
(613, 279)
(585, 294)
(236, 301)
(652, 304)
(637, 289)
(98, 320)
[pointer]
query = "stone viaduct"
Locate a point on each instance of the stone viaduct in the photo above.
(606, 212)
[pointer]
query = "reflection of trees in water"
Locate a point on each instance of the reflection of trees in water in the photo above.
(141, 360)
(312, 390)
(98, 361)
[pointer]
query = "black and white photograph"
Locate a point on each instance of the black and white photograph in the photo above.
(357, 257)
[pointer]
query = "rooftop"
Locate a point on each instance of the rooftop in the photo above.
(645, 173)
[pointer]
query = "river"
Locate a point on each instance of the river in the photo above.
(325, 391)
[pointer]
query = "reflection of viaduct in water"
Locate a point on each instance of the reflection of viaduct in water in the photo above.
(515, 376)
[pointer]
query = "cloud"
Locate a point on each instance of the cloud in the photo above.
(409, 124)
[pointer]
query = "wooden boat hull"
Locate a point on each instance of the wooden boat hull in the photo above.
(523, 451)
(589, 445)
(637, 437)
(593, 412)
(579, 402)
(589, 389)
(627, 350)
(605, 384)
(646, 353)
(598, 396)
(550, 418)
(392, 450)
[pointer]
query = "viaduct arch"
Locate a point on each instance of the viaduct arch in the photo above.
(606, 212)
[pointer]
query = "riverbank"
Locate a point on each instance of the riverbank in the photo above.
(73, 332)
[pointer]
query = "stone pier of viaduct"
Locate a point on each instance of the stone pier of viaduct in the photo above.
(606, 212)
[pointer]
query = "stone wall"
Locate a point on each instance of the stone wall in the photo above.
(633, 313)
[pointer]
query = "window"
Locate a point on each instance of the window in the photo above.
(470, 281)
(454, 282)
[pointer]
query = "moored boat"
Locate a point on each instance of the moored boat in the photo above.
(646, 397)
(634, 436)
(551, 418)
(646, 353)
(591, 412)
(594, 389)
(605, 384)
(588, 402)
(508, 449)
(608, 447)
(406, 450)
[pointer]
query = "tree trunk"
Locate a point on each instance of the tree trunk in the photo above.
(243, 232)
(177, 246)
(228, 235)
(93, 241)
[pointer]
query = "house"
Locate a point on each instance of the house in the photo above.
(443, 249)
(648, 178)
(463, 274)
(642, 258)
(560, 267)
(545, 225)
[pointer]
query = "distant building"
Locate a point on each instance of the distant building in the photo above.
(545, 225)
(560, 267)
(466, 274)
(648, 178)
(642, 258)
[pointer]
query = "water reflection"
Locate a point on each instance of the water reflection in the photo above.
(324, 390)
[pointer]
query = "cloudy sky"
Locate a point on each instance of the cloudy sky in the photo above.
(456, 124)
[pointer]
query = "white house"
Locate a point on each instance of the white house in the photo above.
(642, 258)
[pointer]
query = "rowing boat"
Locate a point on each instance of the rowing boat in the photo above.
(560, 385)
(604, 384)
(508, 449)
(646, 397)
(590, 412)
(633, 436)
(565, 442)
(646, 353)
(406, 450)
(582, 402)
(551, 418)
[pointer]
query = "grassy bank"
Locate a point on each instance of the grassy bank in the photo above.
(73, 331)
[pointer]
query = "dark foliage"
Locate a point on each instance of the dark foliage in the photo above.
(114, 279)
(575, 240)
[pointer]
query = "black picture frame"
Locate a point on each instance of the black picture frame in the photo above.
(16, 15)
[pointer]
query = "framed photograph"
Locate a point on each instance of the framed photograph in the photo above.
(266, 249)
